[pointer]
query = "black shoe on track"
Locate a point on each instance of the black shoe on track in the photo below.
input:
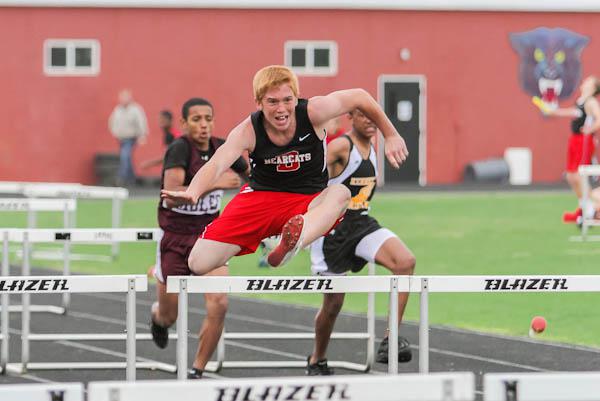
(194, 374)
(160, 335)
(318, 368)
(404, 351)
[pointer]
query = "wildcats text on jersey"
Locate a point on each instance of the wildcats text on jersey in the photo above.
(289, 285)
(289, 161)
(33, 285)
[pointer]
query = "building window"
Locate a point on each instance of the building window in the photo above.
(311, 57)
(71, 57)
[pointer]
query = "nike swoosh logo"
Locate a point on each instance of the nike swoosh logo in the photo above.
(304, 137)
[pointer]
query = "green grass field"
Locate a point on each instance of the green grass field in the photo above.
(450, 233)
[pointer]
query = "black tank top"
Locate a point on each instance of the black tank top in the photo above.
(360, 177)
(577, 123)
(192, 219)
(297, 167)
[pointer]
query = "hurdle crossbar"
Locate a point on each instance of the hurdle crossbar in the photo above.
(73, 190)
(75, 235)
(554, 386)
(67, 207)
(42, 392)
(407, 387)
(129, 284)
(185, 285)
(587, 171)
(368, 335)
(488, 284)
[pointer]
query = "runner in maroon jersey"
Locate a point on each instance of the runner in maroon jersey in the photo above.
(287, 191)
(182, 225)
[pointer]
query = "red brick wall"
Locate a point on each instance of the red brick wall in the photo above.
(475, 107)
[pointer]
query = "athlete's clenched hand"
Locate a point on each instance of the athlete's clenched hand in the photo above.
(396, 150)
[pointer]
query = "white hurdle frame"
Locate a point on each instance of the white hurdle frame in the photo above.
(129, 284)
(456, 386)
(534, 386)
(77, 235)
(31, 206)
(75, 191)
(587, 171)
(369, 335)
(184, 285)
(42, 392)
(488, 284)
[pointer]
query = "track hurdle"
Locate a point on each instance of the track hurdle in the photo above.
(185, 285)
(407, 387)
(129, 284)
(31, 206)
(488, 284)
(368, 335)
(42, 392)
(587, 171)
(77, 235)
(555, 386)
(72, 190)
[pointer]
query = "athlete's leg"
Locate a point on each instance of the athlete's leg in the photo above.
(398, 259)
(301, 230)
(574, 180)
(596, 199)
(396, 256)
(212, 326)
(164, 312)
(324, 322)
(207, 255)
(324, 211)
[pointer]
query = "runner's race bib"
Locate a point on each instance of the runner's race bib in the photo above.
(209, 204)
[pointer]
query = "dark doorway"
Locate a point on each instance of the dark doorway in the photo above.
(403, 100)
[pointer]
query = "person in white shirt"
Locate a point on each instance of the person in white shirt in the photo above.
(129, 125)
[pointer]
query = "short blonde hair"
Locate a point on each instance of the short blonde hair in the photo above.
(271, 76)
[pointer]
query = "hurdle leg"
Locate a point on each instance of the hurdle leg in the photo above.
(370, 323)
(585, 194)
(393, 327)
(116, 222)
(220, 352)
(25, 313)
(131, 319)
(182, 328)
(5, 303)
(66, 297)
(31, 223)
(424, 327)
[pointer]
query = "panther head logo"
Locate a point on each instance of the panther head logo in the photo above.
(550, 62)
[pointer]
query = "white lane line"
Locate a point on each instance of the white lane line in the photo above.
(301, 357)
(437, 327)
(105, 351)
(266, 350)
(242, 318)
(487, 360)
(103, 319)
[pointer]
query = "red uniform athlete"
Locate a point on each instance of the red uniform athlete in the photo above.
(287, 191)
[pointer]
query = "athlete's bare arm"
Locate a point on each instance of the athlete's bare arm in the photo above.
(592, 108)
(324, 108)
(571, 112)
(240, 139)
(175, 177)
(338, 153)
